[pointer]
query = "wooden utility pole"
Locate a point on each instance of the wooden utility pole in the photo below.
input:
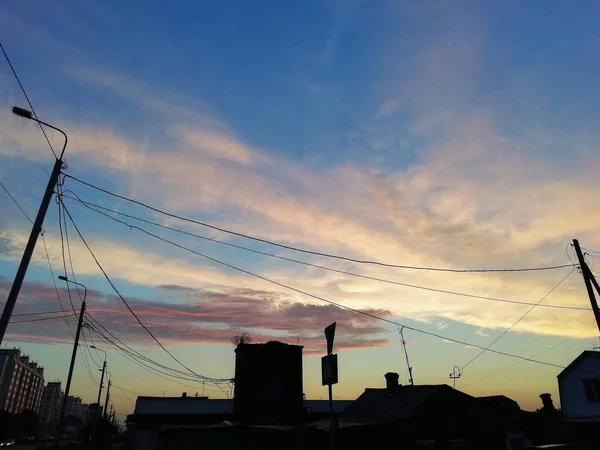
(588, 279)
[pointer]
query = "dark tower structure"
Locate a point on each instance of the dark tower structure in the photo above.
(268, 382)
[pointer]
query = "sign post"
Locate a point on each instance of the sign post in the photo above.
(329, 376)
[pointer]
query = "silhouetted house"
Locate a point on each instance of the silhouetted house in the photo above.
(501, 400)
(579, 388)
(321, 407)
(268, 383)
(153, 414)
(406, 414)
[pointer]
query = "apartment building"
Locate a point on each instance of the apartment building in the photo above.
(21, 382)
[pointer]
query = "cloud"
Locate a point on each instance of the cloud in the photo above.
(204, 317)
(473, 196)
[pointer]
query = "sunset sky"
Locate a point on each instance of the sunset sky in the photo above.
(457, 135)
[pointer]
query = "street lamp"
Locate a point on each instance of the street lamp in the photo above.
(11, 300)
(97, 412)
(73, 355)
(102, 370)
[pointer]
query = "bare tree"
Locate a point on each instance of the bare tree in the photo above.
(243, 338)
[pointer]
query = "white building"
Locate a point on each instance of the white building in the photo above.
(579, 388)
(51, 403)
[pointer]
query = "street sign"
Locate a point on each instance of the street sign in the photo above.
(329, 370)
(329, 335)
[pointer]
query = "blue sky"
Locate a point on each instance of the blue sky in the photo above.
(431, 134)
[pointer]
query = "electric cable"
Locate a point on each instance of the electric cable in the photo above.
(517, 321)
(310, 252)
(14, 72)
(317, 297)
(92, 207)
(122, 298)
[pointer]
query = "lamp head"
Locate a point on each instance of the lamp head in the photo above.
(22, 112)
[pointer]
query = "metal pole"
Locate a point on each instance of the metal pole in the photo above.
(11, 300)
(107, 397)
(101, 382)
(70, 376)
(332, 416)
(586, 279)
(97, 412)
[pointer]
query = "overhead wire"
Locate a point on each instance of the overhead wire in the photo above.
(129, 353)
(45, 251)
(320, 298)
(517, 321)
(39, 319)
(92, 207)
(62, 245)
(306, 251)
(37, 313)
(14, 72)
(15, 202)
(505, 368)
(140, 362)
(125, 301)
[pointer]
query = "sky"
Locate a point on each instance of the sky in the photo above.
(454, 135)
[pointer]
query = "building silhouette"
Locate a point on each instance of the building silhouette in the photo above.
(21, 382)
(50, 407)
(268, 382)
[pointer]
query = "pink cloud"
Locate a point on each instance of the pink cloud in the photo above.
(205, 317)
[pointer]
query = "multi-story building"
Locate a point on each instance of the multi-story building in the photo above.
(51, 403)
(21, 382)
(76, 408)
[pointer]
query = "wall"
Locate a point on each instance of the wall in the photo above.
(573, 400)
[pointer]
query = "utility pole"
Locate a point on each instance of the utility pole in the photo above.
(410, 377)
(97, 413)
(588, 279)
(11, 300)
(73, 357)
(107, 397)
(101, 382)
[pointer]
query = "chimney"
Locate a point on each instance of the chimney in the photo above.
(184, 395)
(547, 402)
(391, 381)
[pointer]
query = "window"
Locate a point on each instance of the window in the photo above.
(592, 389)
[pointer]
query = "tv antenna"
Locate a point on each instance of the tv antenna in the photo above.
(410, 376)
(454, 375)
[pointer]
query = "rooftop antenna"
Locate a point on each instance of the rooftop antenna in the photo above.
(410, 376)
(454, 375)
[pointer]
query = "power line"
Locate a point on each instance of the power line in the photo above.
(55, 286)
(41, 319)
(27, 98)
(92, 206)
(316, 297)
(61, 218)
(123, 299)
(47, 256)
(517, 321)
(39, 313)
(15, 201)
(310, 252)
(489, 375)
(132, 355)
